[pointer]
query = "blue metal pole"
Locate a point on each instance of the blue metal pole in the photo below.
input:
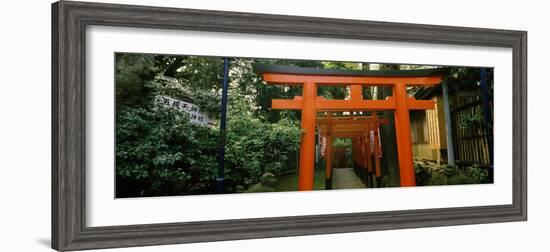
(448, 123)
(220, 180)
(487, 117)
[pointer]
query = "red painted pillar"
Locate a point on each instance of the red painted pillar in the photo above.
(307, 144)
(403, 134)
(356, 93)
(368, 156)
(369, 149)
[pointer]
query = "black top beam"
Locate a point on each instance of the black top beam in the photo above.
(280, 69)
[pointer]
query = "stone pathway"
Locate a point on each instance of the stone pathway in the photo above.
(344, 178)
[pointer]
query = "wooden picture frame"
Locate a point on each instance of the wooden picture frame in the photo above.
(69, 20)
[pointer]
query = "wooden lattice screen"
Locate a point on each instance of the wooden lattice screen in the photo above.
(470, 143)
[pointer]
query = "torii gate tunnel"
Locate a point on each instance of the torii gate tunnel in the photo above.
(366, 143)
(309, 104)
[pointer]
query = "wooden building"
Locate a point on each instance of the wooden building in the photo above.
(428, 133)
(470, 140)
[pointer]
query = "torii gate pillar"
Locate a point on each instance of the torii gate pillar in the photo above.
(403, 134)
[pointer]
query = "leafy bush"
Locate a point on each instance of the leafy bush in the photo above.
(452, 175)
(254, 147)
(450, 170)
(132, 72)
(438, 178)
(478, 173)
(158, 152)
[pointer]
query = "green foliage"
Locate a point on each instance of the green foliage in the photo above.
(169, 64)
(438, 178)
(450, 170)
(204, 73)
(469, 74)
(388, 67)
(342, 142)
(295, 63)
(342, 65)
(333, 92)
(478, 173)
(337, 92)
(193, 71)
(158, 152)
(472, 75)
(450, 175)
(254, 147)
(345, 143)
(473, 121)
(132, 71)
(248, 87)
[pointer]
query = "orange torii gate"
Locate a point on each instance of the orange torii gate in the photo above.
(309, 104)
(358, 128)
(370, 147)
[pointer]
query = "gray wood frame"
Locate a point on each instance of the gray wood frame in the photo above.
(69, 20)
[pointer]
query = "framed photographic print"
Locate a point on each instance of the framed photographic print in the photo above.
(178, 125)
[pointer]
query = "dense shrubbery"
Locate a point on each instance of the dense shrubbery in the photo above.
(450, 175)
(255, 147)
(159, 152)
